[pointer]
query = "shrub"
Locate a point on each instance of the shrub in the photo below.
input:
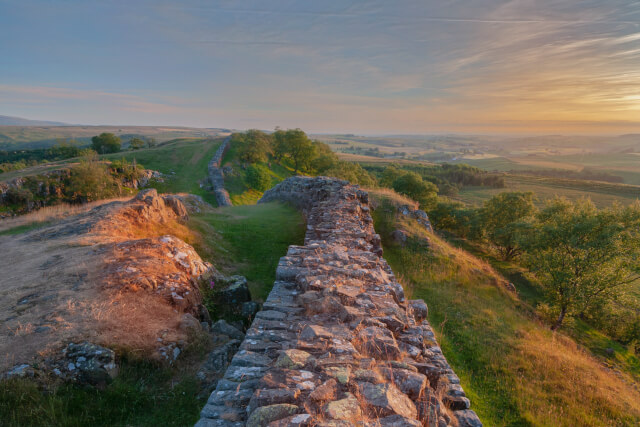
(258, 177)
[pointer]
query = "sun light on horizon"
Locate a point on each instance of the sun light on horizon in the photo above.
(519, 66)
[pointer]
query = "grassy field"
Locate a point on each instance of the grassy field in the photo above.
(249, 240)
(515, 371)
(602, 194)
(625, 165)
(183, 161)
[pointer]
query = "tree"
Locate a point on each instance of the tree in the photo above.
(295, 145)
(279, 144)
(106, 143)
(352, 172)
(324, 159)
(258, 177)
(136, 143)
(151, 142)
(255, 146)
(582, 255)
(503, 218)
(411, 184)
(455, 217)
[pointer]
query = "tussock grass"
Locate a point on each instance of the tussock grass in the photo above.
(51, 213)
(514, 370)
(379, 195)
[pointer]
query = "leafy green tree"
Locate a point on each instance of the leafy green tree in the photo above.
(255, 146)
(106, 143)
(136, 143)
(455, 217)
(279, 143)
(324, 159)
(411, 184)
(352, 172)
(582, 255)
(151, 142)
(258, 177)
(503, 219)
(295, 145)
(389, 175)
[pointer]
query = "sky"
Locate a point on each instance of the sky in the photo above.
(368, 67)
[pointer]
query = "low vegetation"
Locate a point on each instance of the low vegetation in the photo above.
(513, 368)
(249, 241)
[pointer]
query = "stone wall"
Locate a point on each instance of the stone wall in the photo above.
(217, 177)
(337, 343)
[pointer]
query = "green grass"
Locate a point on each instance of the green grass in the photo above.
(514, 370)
(530, 294)
(236, 183)
(184, 161)
(23, 228)
(249, 241)
(143, 394)
(602, 194)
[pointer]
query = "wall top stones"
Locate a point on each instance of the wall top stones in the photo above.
(337, 343)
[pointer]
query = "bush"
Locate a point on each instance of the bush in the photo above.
(351, 172)
(18, 196)
(258, 177)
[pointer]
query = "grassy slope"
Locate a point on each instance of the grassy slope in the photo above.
(514, 370)
(249, 241)
(235, 183)
(184, 161)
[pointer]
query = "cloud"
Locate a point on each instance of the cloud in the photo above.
(52, 95)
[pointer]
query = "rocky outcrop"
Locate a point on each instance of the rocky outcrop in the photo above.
(216, 176)
(418, 214)
(111, 277)
(337, 343)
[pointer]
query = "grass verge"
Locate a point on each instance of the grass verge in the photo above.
(514, 370)
(249, 241)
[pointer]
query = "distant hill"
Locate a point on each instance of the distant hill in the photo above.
(22, 137)
(19, 121)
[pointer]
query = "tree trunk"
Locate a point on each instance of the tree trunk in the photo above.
(558, 323)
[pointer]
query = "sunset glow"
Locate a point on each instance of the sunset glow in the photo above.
(519, 66)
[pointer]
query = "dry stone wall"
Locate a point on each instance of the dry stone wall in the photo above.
(217, 177)
(337, 343)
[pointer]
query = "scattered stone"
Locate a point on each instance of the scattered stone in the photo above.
(346, 409)
(327, 391)
(91, 363)
(266, 414)
(467, 418)
(418, 309)
(222, 327)
(294, 359)
(386, 399)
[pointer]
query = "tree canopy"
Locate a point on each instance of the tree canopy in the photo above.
(503, 217)
(583, 256)
(106, 143)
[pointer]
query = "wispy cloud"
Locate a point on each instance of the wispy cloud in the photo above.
(406, 66)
